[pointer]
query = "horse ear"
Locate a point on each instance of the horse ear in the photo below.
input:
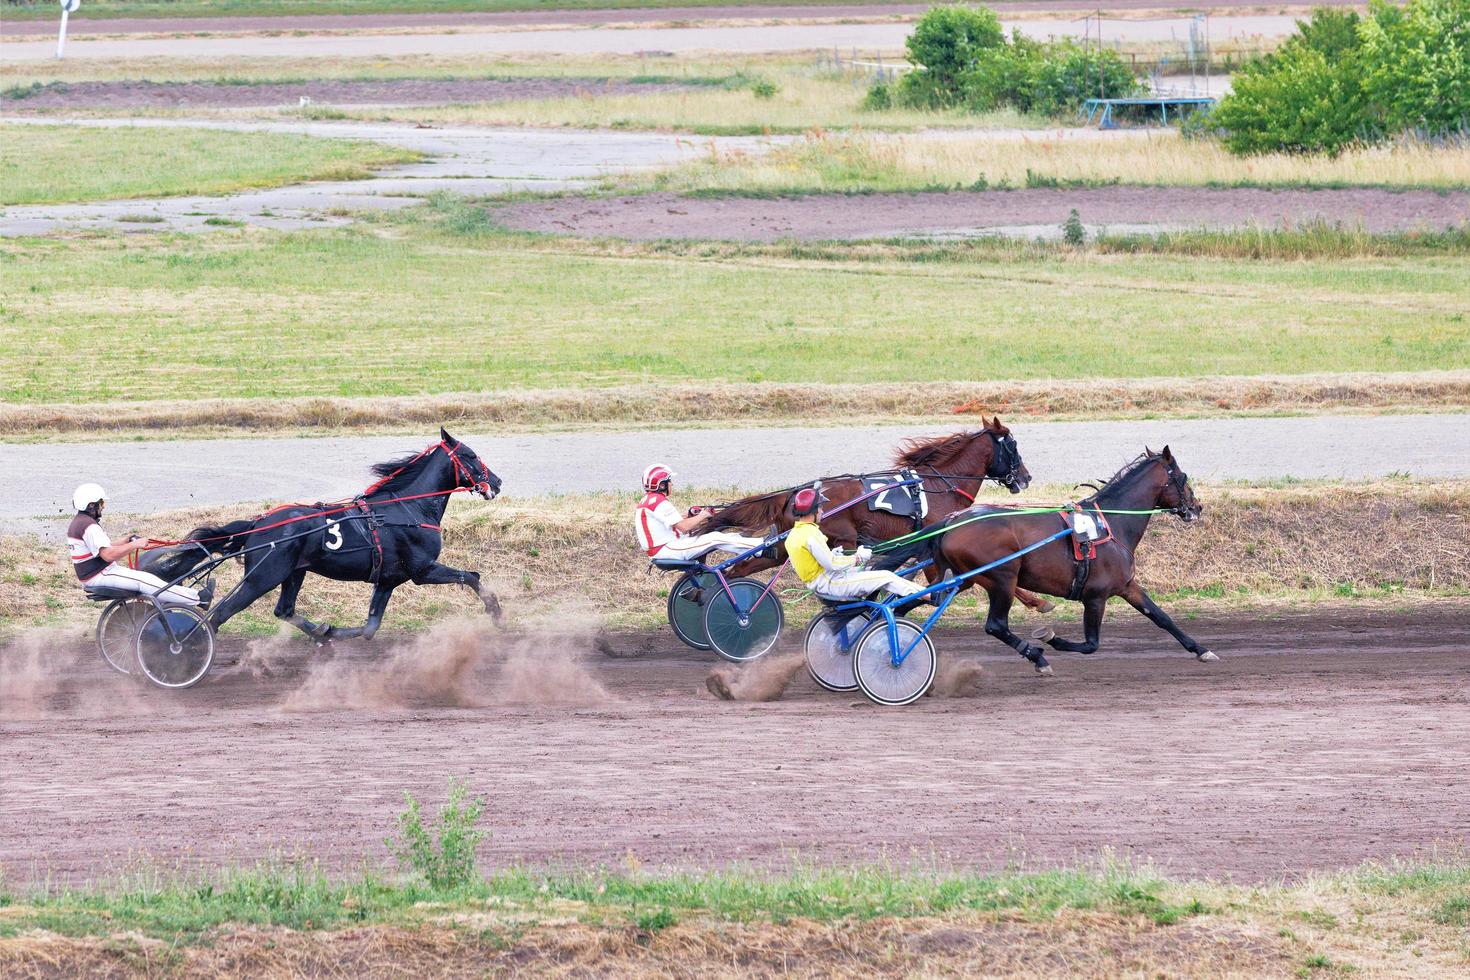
(444, 434)
(995, 424)
(1149, 452)
(1167, 456)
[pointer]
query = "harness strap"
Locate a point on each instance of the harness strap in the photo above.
(372, 525)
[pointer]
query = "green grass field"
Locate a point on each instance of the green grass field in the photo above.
(58, 164)
(412, 308)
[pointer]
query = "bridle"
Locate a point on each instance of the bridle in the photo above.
(1180, 482)
(1008, 454)
(463, 476)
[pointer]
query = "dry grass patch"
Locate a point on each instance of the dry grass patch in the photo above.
(1394, 540)
(750, 403)
(825, 162)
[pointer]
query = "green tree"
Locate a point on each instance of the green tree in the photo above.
(1418, 64)
(945, 44)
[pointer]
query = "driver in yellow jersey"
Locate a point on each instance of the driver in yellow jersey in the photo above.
(826, 572)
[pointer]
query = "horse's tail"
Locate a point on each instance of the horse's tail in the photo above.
(750, 513)
(921, 550)
(208, 539)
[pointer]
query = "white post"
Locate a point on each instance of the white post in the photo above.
(67, 6)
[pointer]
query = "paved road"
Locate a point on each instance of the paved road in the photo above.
(886, 37)
(466, 160)
(35, 480)
(84, 24)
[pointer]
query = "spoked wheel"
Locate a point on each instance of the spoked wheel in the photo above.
(878, 677)
(686, 607)
(830, 640)
(117, 632)
(747, 632)
(179, 654)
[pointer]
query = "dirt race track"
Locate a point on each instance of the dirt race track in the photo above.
(1319, 741)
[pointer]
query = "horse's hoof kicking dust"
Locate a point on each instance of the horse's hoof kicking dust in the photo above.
(719, 687)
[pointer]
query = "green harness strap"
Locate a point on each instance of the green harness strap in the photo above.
(913, 538)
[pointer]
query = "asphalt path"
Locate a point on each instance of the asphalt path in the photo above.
(871, 37)
(82, 23)
(36, 480)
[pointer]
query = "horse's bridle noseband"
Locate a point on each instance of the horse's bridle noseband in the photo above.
(462, 475)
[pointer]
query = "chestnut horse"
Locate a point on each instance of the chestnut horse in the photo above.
(951, 467)
(1149, 484)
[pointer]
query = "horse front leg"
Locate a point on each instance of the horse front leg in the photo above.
(997, 624)
(1092, 617)
(1033, 601)
(437, 574)
(376, 608)
(1140, 600)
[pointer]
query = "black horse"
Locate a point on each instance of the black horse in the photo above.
(388, 535)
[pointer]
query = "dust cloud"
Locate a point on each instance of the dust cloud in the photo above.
(764, 680)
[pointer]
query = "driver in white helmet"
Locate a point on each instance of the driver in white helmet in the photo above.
(663, 531)
(100, 564)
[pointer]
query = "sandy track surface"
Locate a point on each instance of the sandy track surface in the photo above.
(1319, 741)
(885, 36)
(148, 477)
(87, 96)
(460, 19)
(1029, 213)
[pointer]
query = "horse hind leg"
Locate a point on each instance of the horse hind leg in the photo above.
(286, 608)
(376, 608)
(1031, 600)
(997, 624)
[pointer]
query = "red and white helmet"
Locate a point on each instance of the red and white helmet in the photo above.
(656, 476)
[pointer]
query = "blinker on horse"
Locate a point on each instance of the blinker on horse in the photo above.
(387, 535)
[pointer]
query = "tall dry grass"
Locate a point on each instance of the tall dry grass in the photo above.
(891, 162)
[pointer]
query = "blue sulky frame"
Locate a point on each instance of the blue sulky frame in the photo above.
(950, 588)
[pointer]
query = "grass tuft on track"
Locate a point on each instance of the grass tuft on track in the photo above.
(63, 164)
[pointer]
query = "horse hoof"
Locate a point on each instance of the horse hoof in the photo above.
(1207, 658)
(1046, 606)
(1044, 671)
(1043, 633)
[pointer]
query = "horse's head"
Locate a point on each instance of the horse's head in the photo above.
(469, 470)
(1175, 493)
(1006, 467)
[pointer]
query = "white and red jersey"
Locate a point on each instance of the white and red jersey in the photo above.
(85, 539)
(654, 520)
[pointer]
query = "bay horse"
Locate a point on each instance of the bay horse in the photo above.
(388, 535)
(1153, 482)
(951, 467)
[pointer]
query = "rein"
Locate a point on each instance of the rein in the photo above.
(917, 536)
(459, 469)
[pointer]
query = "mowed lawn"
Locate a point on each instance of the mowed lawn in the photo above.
(403, 309)
(59, 164)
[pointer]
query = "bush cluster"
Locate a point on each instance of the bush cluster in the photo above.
(964, 60)
(1345, 79)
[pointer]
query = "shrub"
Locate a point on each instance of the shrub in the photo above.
(1344, 79)
(764, 88)
(945, 44)
(879, 97)
(445, 855)
(1072, 231)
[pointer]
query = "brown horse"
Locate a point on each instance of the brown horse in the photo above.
(951, 467)
(1152, 482)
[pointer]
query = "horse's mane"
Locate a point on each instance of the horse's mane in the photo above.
(410, 463)
(936, 452)
(749, 513)
(1125, 472)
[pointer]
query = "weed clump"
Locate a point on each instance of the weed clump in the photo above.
(444, 854)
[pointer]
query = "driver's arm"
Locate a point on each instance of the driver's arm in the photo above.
(113, 552)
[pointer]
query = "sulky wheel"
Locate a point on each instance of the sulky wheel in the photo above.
(117, 632)
(176, 654)
(878, 677)
(746, 633)
(686, 607)
(829, 645)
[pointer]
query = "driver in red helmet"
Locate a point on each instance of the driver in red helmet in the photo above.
(827, 572)
(663, 531)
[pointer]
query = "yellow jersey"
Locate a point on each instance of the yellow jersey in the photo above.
(810, 554)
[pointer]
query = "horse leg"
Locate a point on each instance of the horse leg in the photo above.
(437, 574)
(259, 579)
(1140, 600)
(997, 625)
(376, 608)
(1033, 601)
(1092, 617)
(286, 608)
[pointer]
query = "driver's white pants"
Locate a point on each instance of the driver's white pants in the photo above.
(855, 583)
(144, 583)
(701, 544)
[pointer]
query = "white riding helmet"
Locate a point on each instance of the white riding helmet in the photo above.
(86, 495)
(655, 476)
